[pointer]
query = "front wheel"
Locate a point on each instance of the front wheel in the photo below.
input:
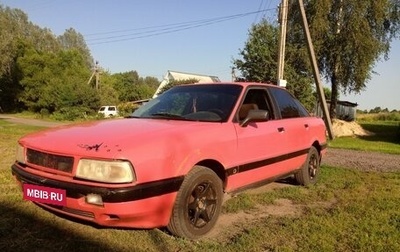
(309, 172)
(197, 204)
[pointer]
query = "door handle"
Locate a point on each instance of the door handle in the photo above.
(306, 125)
(281, 129)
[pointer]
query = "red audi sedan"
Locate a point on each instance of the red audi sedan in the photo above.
(170, 163)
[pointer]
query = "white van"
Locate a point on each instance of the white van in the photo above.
(108, 111)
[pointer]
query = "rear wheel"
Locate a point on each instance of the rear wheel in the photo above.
(197, 204)
(309, 172)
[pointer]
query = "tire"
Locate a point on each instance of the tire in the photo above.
(197, 205)
(309, 172)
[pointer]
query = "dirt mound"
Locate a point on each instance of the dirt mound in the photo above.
(342, 128)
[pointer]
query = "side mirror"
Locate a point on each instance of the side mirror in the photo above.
(255, 115)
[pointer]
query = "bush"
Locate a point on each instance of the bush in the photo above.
(392, 116)
(127, 108)
(388, 117)
(44, 113)
(71, 114)
(398, 133)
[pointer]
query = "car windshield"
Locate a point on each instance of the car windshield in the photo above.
(202, 102)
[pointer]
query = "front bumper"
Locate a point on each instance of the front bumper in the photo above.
(146, 205)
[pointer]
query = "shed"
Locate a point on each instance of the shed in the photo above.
(345, 110)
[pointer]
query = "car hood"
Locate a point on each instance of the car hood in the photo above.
(108, 138)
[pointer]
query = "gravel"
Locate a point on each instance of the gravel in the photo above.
(362, 160)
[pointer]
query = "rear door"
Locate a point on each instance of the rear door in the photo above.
(297, 125)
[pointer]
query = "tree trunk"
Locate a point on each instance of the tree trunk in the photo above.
(334, 95)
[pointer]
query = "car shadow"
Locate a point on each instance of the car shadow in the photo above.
(24, 234)
(21, 230)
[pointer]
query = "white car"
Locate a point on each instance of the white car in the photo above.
(108, 111)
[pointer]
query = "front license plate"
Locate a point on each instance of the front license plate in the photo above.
(45, 194)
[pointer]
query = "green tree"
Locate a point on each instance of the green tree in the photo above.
(152, 82)
(173, 83)
(13, 24)
(56, 82)
(349, 37)
(25, 48)
(327, 93)
(258, 62)
(108, 94)
(124, 85)
(131, 87)
(72, 39)
(375, 110)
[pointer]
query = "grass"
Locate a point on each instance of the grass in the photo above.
(347, 210)
(52, 118)
(385, 138)
(362, 215)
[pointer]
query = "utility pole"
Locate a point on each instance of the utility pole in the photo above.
(233, 75)
(96, 74)
(283, 11)
(315, 69)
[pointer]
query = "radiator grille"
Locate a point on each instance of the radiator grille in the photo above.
(56, 162)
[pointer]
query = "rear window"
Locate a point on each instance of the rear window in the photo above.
(289, 106)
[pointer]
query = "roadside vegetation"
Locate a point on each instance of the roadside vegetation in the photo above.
(385, 134)
(347, 210)
(56, 76)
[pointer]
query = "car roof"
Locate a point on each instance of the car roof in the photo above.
(243, 84)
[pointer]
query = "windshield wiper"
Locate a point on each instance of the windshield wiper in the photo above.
(167, 115)
(132, 116)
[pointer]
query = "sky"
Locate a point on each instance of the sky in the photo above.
(203, 37)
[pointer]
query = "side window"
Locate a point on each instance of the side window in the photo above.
(288, 105)
(256, 98)
(302, 110)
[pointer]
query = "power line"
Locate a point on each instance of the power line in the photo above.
(168, 29)
(160, 26)
(263, 5)
(139, 33)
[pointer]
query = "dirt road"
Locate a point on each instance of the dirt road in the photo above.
(34, 122)
(362, 160)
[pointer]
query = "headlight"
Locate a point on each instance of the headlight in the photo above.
(105, 171)
(20, 154)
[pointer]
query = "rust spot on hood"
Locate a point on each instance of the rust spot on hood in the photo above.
(91, 147)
